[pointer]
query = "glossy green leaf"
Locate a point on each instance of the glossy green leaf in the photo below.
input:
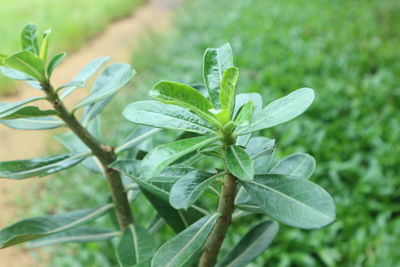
(185, 96)
(179, 250)
(110, 81)
(282, 110)
(255, 242)
(22, 169)
(245, 115)
(156, 114)
(239, 162)
(136, 246)
(79, 235)
(296, 202)
(39, 227)
(27, 63)
(85, 73)
(216, 61)
(44, 45)
(227, 91)
(25, 112)
(54, 62)
(298, 165)
(259, 146)
(161, 156)
(189, 188)
(29, 39)
(37, 123)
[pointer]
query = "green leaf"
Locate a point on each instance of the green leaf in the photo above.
(239, 162)
(245, 115)
(109, 82)
(79, 235)
(298, 165)
(185, 96)
(227, 93)
(158, 195)
(172, 174)
(179, 250)
(22, 169)
(7, 107)
(44, 46)
(259, 146)
(29, 39)
(25, 112)
(15, 74)
(27, 63)
(255, 242)
(189, 188)
(281, 110)
(242, 99)
(54, 62)
(156, 114)
(85, 73)
(2, 57)
(38, 123)
(296, 202)
(216, 61)
(140, 134)
(136, 246)
(39, 227)
(161, 156)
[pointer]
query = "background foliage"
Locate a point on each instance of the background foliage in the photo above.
(346, 51)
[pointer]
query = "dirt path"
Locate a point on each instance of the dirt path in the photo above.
(116, 41)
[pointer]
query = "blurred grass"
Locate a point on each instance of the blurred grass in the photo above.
(72, 22)
(348, 52)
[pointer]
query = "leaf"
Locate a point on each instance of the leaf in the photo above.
(245, 114)
(39, 227)
(161, 156)
(156, 114)
(242, 99)
(216, 61)
(296, 202)
(185, 96)
(15, 74)
(29, 39)
(172, 174)
(22, 169)
(140, 134)
(255, 242)
(298, 165)
(239, 162)
(189, 188)
(54, 62)
(38, 123)
(260, 146)
(27, 63)
(227, 93)
(110, 81)
(25, 112)
(281, 110)
(136, 246)
(7, 107)
(85, 73)
(158, 195)
(44, 46)
(79, 235)
(179, 250)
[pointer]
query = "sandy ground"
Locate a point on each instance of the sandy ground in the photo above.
(116, 41)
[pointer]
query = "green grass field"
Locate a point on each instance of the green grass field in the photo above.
(72, 22)
(348, 52)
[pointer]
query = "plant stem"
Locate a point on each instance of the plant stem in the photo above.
(104, 153)
(217, 236)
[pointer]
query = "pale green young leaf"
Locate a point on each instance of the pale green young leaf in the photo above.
(185, 96)
(27, 63)
(29, 39)
(298, 165)
(239, 162)
(255, 242)
(54, 62)
(310, 205)
(179, 250)
(156, 114)
(44, 45)
(215, 62)
(227, 91)
(244, 115)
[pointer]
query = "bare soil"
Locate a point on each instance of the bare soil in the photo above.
(116, 41)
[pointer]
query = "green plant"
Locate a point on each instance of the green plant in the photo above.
(215, 152)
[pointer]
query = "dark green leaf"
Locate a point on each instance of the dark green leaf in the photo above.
(216, 61)
(298, 165)
(136, 246)
(239, 162)
(160, 157)
(255, 242)
(39, 227)
(57, 59)
(22, 169)
(29, 39)
(27, 63)
(179, 250)
(185, 96)
(227, 92)
(39, 123)
(79, 235)
(296, 202)
(156, 114)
